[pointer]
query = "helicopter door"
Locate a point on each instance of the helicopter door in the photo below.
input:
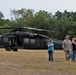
(20, 42)
(14, 42)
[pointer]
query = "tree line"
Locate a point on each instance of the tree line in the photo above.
(61, 23)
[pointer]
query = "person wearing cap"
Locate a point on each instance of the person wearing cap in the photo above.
(67, 47)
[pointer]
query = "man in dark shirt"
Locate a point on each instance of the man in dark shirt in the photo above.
(74, 49)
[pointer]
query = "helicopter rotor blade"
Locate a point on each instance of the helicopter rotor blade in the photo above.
(7, 28)
(31, 28)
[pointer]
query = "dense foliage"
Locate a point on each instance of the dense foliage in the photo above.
(62, 23)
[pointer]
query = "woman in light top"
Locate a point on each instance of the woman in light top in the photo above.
(50, 49)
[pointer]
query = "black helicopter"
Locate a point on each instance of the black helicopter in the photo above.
(20, 39)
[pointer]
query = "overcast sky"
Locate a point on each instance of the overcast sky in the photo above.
(47, 5)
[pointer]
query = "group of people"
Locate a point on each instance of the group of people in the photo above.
(68, 46)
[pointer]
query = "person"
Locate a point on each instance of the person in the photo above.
(74, 49)
(67, 47)
(51, 50)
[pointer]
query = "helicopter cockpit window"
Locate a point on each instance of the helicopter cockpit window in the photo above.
(5, 39)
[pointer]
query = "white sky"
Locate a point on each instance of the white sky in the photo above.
(48, 5)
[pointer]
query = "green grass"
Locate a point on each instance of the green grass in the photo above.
(34, 62)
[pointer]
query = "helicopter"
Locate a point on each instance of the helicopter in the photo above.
(20, 39)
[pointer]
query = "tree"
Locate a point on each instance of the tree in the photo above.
(23, 13)
(1, 15)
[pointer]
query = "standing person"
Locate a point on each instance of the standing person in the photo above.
(67, 47)
(50, 50)
(74, 49)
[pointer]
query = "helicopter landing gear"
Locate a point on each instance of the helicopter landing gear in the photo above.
(15, 49)
(7, 49)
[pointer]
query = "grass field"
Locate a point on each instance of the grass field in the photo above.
(34, 62)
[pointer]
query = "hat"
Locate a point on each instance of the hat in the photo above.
(67, 36)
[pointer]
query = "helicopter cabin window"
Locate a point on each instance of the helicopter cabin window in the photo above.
(26, 40)
(32, 41)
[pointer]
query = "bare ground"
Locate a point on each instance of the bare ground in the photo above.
(34, 62)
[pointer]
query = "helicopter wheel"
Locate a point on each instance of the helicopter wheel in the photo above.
(7, 49)
(15, 49)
